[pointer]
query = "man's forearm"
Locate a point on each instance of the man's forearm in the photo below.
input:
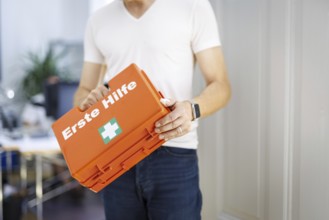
(214, 97)
(80, 95)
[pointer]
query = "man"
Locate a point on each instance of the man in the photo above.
(165, 38)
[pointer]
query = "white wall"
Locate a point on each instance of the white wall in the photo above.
(30, 25)
(276, 128)
(314, 112)
(243, 26)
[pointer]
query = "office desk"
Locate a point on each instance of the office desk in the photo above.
(41, 149)
(28, 145)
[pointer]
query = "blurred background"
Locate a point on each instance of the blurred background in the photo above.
(264, 157)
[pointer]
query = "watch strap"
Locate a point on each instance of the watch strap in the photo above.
(195, 110)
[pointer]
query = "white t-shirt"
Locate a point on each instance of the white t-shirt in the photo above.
(162, 42)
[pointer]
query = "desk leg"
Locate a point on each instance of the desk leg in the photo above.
(23, 172)
(39, 190)
(23, 176)
(1, 191)
(9, 162)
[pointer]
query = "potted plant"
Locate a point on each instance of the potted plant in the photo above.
(40, 68)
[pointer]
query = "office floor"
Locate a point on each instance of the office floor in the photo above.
(77, 204)
(71, 206)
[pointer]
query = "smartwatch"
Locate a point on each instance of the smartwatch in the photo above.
(195, 110)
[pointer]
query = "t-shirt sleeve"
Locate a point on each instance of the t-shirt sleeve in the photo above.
(91, 51)
(204, 27)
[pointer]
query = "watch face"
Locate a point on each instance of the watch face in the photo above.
(197, 111)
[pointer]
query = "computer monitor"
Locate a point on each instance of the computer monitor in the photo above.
(59, 98)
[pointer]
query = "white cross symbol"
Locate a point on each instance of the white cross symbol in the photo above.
(110, 130)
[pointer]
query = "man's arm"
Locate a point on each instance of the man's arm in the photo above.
(215, 96)
(218, 90)
(90, 89)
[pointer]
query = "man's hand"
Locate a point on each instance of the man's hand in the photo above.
(94, 96)
(177, 123)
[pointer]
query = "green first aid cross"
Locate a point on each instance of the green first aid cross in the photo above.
(110, 130)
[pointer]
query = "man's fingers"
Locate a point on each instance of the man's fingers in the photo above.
(175, 124)
(169, 118)
(99, 92)
(168, 102)
(177, 132)
(83, 107)
(94, 96)
(105, 91)
(170, 126)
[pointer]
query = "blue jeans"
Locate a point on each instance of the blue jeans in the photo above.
(164, 186)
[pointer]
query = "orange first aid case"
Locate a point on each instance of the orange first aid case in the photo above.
(114, 134)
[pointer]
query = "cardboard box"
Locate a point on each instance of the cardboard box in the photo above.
(114, 134)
